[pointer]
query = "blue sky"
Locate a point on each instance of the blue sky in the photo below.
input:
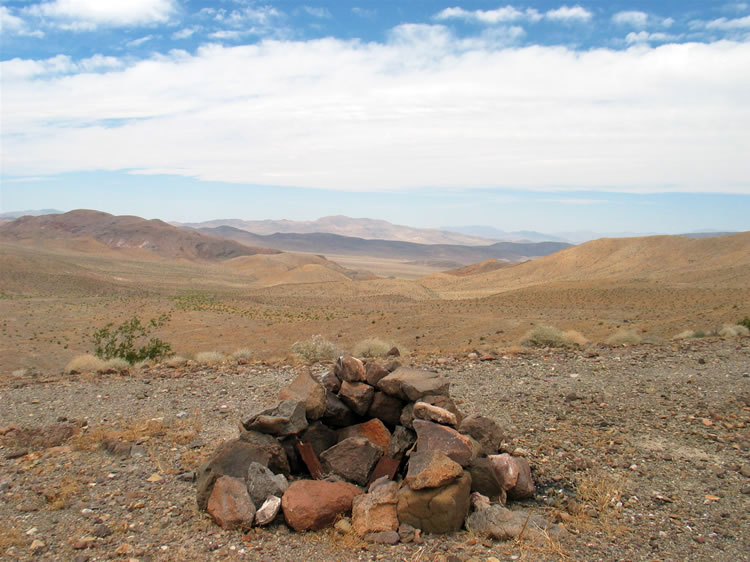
(550, 116)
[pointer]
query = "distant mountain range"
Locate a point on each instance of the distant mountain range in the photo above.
(337, 245)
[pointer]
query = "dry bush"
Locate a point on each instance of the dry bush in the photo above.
(601, 492)
(243, 354)
(59, 496)
(176, 361)
(733, 331)
(544, 336)
(210, 357)
(315, 349)
(84, 364)
(684, 335)
(574, 338)
(624, 337)
(20, 372)
(374, 347)
(116, 364)
(9, 537)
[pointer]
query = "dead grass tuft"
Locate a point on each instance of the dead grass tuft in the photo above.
(176, 361)
(624, 337)
(84, 364)
(600, 492)
(116, 364)
(315, 349)
(574, 338)
(243, 354)
(59, 496)
(374, 348)
(734, 331)
(684, 335)
(10, 537)
(210, 357)
(549, 336)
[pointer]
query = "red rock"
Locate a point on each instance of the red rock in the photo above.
(230, 504)
(376, 510)
(310, 505)
(524, 487)
(374, 430)
(433, 436)
(506, 469)
(431, 469)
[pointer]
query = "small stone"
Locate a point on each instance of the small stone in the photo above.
(102, 531)
(268, 511)
(37, 546)
(124, 549)
(745, 470)
(155, 477)
(343, 526)
(383, 537)
(428, 412)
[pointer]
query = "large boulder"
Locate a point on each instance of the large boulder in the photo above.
(353, 459)
(376, 511)
(262, 483)
(357, 395)
(286, 418)
(412, 384)
(485, 431)
(433, 436)
(374, 430)
(436, 510)
(308, 390)
(348, 368)
(310, 505)
(230, 505)
(431, 469)
(232, 458)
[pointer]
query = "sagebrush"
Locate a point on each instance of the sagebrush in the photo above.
(549, 336)
(131, 341)
(315, 349)
(373, 347)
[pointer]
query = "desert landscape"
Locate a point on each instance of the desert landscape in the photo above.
(617, 368)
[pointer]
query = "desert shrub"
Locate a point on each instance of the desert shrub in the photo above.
(733, 331)
(116, 364)
(372, 347)
(624, 337)
(544, 336)
(684, 335)
(745, 322)
(315, 349)
(210, 357)
(574, 338)
(243, 354)
(130, 341)
(84, 364)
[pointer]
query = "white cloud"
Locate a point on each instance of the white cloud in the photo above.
(140, 41)
(89, 14)
(423, 109)
(500, 15)
(566, 13)
(730, 24)
(316, 12)
(185, 32)
(367, 13)
(641, 20)
(647, 37)
(13, 25)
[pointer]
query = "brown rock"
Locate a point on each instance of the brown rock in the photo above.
(286, 418)
(353, 459)
(320, 437)
(374, 430)
(376, 510)
(485, 431)
(402, 440)
(393, 352)
(306, 389)
(407, 416)
(374, 372)
(435, 510)
(337, 413)
(431, 469)
(432, 436)
(386, 408)
(330, 382)
(315, 504)
(506, 470)
(425, 411)
(413, 384)
(383, 537)
(524, 487)
(445, 402)
(230, 504)
(357, 395)
(270, 447)
(349, 369)
(484, 479)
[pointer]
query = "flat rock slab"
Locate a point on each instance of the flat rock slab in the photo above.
(337, 413)
(413, 384)
(431, 469)
(308, 390)
(374, 430)
(432, 436)
(436, 510)
(310, 505)
(286, 418)
(230, 505)
(499, 523)
(353, 459)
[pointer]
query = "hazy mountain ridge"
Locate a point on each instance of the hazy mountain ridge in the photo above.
(334, 244)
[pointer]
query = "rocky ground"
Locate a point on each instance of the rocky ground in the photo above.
(643, 453)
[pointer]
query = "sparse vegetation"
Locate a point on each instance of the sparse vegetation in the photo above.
(745, 322)
(734, 331)
(684, 335)
(315, 349)
(373, 347)
(126, 341)
(625, 337)
(176, 361)
(243, 354)
(210, 357)
(549, 336)
(84, 364)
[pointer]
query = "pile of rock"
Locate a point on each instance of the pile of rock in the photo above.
(381, 442)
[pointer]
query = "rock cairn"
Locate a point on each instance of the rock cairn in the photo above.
(383, 443)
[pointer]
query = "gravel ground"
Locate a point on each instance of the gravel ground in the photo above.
(643, 453)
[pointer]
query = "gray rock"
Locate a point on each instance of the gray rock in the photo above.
(319, 436)
(271, 448)
(262, 483)
(407, 416)
(413, 384)
(330, 382)
(353, 459)
(383, 537)
(402, 440)
(286, 418)
(497, 522)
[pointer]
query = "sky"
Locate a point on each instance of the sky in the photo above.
(610, 116)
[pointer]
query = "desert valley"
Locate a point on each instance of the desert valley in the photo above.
(617, 369)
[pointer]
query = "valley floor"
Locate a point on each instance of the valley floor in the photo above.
(642, 452)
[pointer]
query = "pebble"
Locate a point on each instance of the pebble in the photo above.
(37, 546)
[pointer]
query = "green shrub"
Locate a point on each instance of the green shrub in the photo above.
(315, 349)
(745, 322)
(130, 341)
